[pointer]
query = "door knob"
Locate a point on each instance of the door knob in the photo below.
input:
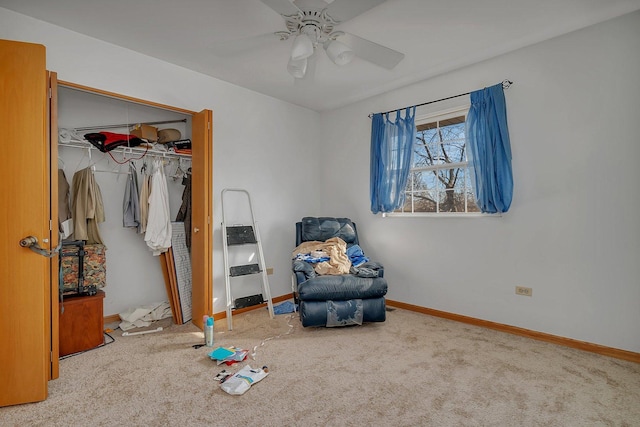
(196, 229)
(31, 242)
(28, 241)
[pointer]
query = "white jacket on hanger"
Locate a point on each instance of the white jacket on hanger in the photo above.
(158, 234)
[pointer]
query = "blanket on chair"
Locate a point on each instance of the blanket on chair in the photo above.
(336, 250)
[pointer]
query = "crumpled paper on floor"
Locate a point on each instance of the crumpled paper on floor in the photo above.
(143, 316)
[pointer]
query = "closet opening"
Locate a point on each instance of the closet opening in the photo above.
(135, 274)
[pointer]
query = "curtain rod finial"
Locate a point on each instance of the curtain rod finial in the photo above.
(506, 84)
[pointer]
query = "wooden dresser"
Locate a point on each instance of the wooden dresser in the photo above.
(81, 323)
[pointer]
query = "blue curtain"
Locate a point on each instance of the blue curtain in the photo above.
(489, 150)
(391, 149)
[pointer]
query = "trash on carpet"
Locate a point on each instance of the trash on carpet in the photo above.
(284, 308)
(228, 355)
(242, 380)
(144, 316)
(127, 334)
(222, 376)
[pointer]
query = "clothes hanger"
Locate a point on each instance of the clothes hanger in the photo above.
(84, 156)
(179, 173)
(92, 164)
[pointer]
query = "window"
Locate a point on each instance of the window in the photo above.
(439, 180)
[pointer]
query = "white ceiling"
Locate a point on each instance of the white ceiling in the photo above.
(436, 36)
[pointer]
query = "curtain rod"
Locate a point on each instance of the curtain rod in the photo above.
(505, 85)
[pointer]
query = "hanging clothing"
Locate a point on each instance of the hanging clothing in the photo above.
(64, 212)
(145, 190)
(158, 234)
(184, 214)
(87, 208)
(131, 202)
(65, 223)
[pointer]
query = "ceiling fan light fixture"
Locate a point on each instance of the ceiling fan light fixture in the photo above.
(302, 47)
(339, 53)
(297, 68)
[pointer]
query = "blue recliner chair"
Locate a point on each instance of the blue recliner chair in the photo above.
(337, 300)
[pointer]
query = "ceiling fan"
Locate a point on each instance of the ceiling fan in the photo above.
(311, 24)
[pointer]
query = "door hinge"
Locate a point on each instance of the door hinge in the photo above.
(50, 225)
(208, 220)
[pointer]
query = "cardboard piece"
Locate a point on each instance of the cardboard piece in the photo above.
(147, 132)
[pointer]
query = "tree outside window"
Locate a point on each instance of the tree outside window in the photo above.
(439, 180)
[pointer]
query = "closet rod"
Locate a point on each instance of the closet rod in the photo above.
(126, 125)
(149, 151)
(505, 85)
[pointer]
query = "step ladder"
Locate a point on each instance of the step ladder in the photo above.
(238, 235)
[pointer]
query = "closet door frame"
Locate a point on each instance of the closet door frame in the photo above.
(54, 313)
(202, 236)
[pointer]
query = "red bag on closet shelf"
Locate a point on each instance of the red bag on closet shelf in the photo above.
(107, 141)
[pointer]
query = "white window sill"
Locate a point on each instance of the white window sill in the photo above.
(440, 215)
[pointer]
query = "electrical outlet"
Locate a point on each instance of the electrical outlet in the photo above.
(521, 290)
(269, 270)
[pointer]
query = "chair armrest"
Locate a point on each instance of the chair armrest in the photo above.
(374, 265)
(303, 270)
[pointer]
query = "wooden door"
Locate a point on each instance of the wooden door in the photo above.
(201, 216)
(25, 199)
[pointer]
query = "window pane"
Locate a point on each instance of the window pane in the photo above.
(426, 148)
(448, 203)
(407, 204)
(426, 180)
(471, 203)
(423, 202)
(451, 129)
(411, 181)
(435, 149)
(448, 177)
(420, 153)
(453, 197)
(453, 151)
(471, 199)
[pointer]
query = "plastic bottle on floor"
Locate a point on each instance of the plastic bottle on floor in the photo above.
(208, 332)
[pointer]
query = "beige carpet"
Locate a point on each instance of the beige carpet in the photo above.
(412, 370)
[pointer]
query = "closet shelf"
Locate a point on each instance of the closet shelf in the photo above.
(128, 125)
(133, 150)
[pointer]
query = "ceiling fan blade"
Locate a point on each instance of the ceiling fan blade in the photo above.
(283, 7)
(343, 10)
(309, 75)
(372, 52)
(244, 45)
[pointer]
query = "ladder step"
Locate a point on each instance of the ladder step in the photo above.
(243, 270)
(248, 301)
(241, 234)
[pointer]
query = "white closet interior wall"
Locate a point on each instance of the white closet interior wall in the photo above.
(134, 275)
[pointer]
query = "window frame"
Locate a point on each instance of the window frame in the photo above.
(460, 109)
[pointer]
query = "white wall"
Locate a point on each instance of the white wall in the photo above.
(572, 233)
(258, 141)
